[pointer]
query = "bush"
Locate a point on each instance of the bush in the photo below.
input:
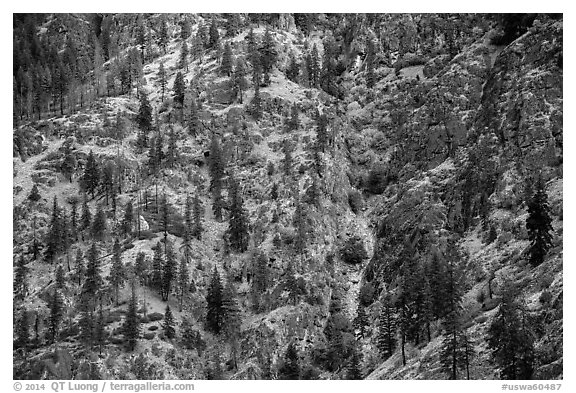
(377, 180)
(155, 316)
(545, 298)
(355, 201)
(353, 250)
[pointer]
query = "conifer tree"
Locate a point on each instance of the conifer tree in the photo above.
(300, 222)
(56, 306)
(93, 281)
(321, 131)
(172, 153)
(214, 35)
(21, 279)
(169, 271)
(22, 331)
(197, 223)
(304, 76)
(231, 319)
(126, 226)
(290, 368)
(144, 120)
(74, 219)
(131, 326)
(179, 89)
(288, 161)
(55, 241)
(216, 174)
(79, 267)
(510, 339)
(117, 271)
(183, 281)
(370, 77)
(183, 61)
(193, 118)
(294, 122)
(162, 79)
(140, 266)
(86, 218)
(100, 334)
(227, 60)
(99, 225)
(238, 221)
(163, 36)
(291, 284)
(293, 68)
(539, 224)
(215, 312)
(157, 264)
(361, 320)
(168, 324)
(354, 371)
(268, 56)
(34, 195)
(59, 278)
(386, 339)
(91, 176)
(314, 67)
(256, 103)
(239, 82)
(185, 30)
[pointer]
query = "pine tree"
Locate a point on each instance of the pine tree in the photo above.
(183, 281)
(193, 118)
(163, 36)
(144, 120)
(168, 324)
(304, 76)
(21, 279)
(99, 225)
(290, 369)
(256, 103)
(291, 284)
(227, 60)
(93, 281)
(34, 195)
(354, 371)
(56, 306)
(74, 219)
(231, 319)
(185, 30)
(238, 221)
(294, 122)
(539, 224)
(79, 267)
(268, 56)
(91, 176)
(162, 79)
(59, 278)
(183, 61)
(126, 226)
(239, 82)
(300, 222)
(214, 35)
(322, 132)
(55, 241)
(117, 271)
(172, 155)
(131, 326)
(169, 271)
(370, 77)
(22, 331)
(179, 89)
(157, 264)
(216, 174)
(288, 161)
(140, 266)
(386, 339)
(215, 312)
(510, 339)
(197, 223)
(100, 334)
(293, 68)
(86, 218)
(314, 67)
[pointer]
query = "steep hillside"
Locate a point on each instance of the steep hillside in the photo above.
(314, 196)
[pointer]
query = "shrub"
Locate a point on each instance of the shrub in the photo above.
(377, 180)
(353, 250)
(545, 297)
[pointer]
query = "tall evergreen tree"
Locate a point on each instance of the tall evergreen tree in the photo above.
(238, 221)
(539, 224)
(354, 371)
(300, 222)
(183, 60)
(268, 56)
(509, 338)
(91, 177)
(93, 281)
(239, 82)
(227, 60)
(79, 267)
(370, 53)
(22, 331)
(197, 223)
(117, 271)
(157, 264)
(144, 121)
(179, 89)
(163, 36)
(56, 307)
(55, 241)
(361, 320)
(86, 218)
(168, 324)
(131, 326)
(231, 319)
(169, 271)
(162, 79)
(293, 68)
(126, 226)
(386, 339)
(99, 225)
(214, 35)
(21, 279)
(100, 334)
(183, 281)
(215, 312)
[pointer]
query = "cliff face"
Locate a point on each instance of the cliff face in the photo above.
(430, 163)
